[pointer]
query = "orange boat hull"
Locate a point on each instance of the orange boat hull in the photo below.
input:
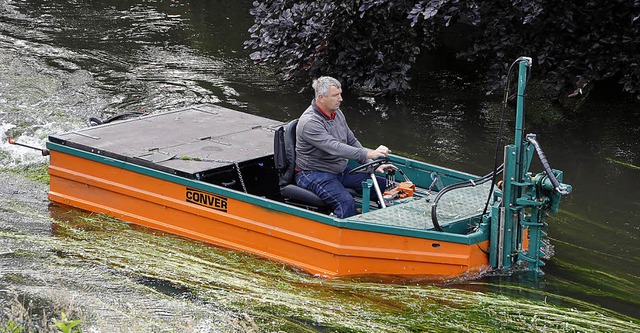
(313, 242)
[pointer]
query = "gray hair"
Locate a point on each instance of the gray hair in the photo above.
(322, 84)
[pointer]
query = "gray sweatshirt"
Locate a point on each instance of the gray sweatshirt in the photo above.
(324, 144)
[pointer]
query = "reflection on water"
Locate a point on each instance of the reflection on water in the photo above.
(62, 62)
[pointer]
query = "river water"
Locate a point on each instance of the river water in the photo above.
(62, 62)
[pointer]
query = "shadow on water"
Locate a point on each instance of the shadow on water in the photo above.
(63, 62)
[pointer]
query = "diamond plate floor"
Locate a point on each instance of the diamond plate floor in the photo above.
(454, 206)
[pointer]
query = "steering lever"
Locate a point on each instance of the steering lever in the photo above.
(373, 164)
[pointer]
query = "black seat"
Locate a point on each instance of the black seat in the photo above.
(285, 156)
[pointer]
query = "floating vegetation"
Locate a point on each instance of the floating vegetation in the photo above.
(36, 171)
(101, 270)
(624, 164)
(621, 288)
(278, 298)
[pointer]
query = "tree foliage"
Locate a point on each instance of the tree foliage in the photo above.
(375, 43)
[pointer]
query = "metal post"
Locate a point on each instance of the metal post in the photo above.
(522, 82)
(509, 238)
(366, 195)
(377, 187)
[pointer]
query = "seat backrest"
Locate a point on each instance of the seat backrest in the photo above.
(284, 144)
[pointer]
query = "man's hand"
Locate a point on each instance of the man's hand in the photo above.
(381, 151)
(386, 167)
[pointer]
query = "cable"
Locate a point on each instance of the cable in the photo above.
(93, 121)
(501, 128)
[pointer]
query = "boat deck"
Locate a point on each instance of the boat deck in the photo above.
(190, 142)
(457, 205)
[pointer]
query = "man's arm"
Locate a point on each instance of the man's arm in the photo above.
(381, 151)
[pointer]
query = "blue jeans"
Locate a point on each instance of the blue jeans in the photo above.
(331, 188)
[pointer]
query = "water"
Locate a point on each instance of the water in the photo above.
(62, 62)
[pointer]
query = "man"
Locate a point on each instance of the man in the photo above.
(324, 144)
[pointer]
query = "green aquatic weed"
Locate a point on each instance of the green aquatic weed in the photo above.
(11, 327)
(625, 164)
(67, 326)
(38, 172)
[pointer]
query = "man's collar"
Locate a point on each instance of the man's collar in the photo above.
(328, 116)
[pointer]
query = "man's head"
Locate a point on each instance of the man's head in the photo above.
(328, 93)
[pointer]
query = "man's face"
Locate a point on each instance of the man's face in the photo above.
(331, 102)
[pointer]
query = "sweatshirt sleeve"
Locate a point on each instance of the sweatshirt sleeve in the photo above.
(353, 141)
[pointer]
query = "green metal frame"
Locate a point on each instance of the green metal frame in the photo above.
(524, 202)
